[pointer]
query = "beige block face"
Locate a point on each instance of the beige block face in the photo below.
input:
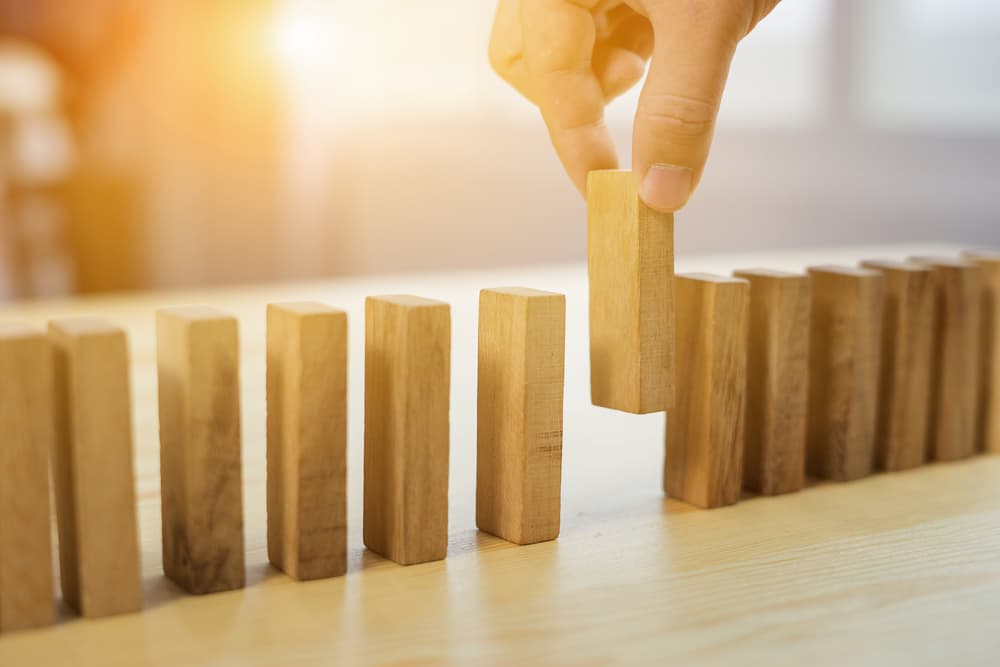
(988, 407)
(630, 251)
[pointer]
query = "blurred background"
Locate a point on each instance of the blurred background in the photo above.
(168, 143)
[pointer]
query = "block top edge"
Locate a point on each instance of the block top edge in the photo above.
(15, 330)
(84, 326)
(846, 271)
(982, 256)
(768, 273)
(407, 300)
(938, 262)
(306, 308)
(194, 313)
(527, 292)
(893, 265)
(712, 278)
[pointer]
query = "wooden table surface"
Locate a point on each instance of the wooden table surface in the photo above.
(896, 568)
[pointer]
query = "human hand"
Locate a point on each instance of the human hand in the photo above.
(572, 57)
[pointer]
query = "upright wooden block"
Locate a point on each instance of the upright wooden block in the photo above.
(704, 448)
(522, 335)
(26, 595)
(92, 468)
(197, 352)
(774, 455)
(905, 375)
(407, 385)
(630, 250)
(954, 371)
(844, 351)
(988, 408)
(307, 439)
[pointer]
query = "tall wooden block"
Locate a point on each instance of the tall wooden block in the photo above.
(92, 468)
(26, 591)
(774, 455)
(905, 376)
(705, 430)
(630, 250)
(197, 352)
(844, 350)
(407, 384)
(955, 363)
(988, 408)
(307, 439)
(522, 335)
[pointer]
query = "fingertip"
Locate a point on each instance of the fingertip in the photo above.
(666, 187)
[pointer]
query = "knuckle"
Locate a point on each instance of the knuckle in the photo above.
(678, 115)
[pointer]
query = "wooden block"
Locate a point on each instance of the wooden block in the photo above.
(954, 369)
(26, 590)
(630, 250)
(307, 439)
(197, 352)
(705, 431)
(905, 368)
(407, 384)
(93, 473)
(844, 352)
(774, 453)
(988, 408)
(522, 334)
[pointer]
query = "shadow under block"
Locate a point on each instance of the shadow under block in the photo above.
(522, 334)
(407, 384)
(307, 439)
(988, 409)
(26, 588)
(955, 361)
(905, 376)
(705, 430)
(774, 453)
(197, 352)
(844, 350)
(92, 468)
(630, 258)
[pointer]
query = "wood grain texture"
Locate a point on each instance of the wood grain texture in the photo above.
(26, 590)
(774, 452)
(988, 407)
(522, 334)
(200, 449)
(407, 394)
(905, 376)
(307, 439)
(955, 361)
(92, 468)
(630, 251)
(704, 447)
(844, 351)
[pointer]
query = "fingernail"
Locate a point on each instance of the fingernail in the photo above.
(666, 187)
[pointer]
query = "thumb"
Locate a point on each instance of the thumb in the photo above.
(675, 120)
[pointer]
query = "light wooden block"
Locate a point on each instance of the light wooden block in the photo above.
(844, 353)
(774, 454)
(92, 469)
(905, 375)
(307, 439)
(522, 334)
(630, 250)
(26, 421)
(955, 363)
(705, 430)
(407, 384)
(197, 351)
(988, 408)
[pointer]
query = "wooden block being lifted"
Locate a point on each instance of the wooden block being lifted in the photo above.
(197, 352)
(407, 385)
(905, 375)
(774, 455)
(307, 439)
(704, 448)
(988, 409)
(844, 352)
(26, 591)
(630, 251)
(954, 369)
(92, 470)
(522, 335)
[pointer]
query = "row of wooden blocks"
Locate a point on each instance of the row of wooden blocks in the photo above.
(68, 393)
(833, 373)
